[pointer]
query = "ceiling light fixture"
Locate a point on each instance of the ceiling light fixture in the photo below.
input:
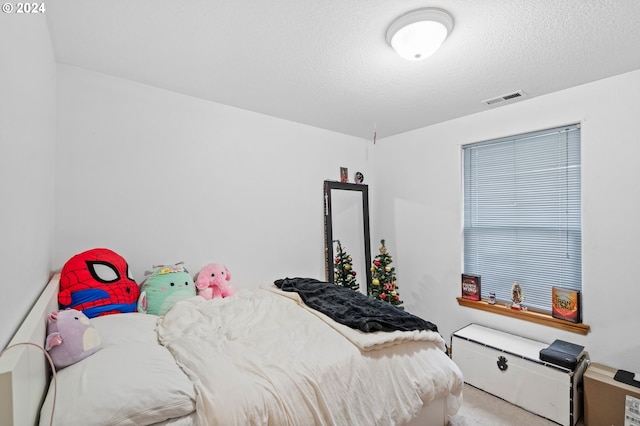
(419, 34)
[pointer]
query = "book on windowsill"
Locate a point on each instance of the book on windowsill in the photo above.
(562, 353)
(471, 287)
(565, 304)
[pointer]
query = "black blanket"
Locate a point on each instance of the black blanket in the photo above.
(352, 308)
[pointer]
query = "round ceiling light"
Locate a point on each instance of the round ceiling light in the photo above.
(419, 34)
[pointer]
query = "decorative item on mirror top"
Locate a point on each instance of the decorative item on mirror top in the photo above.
(344, 174)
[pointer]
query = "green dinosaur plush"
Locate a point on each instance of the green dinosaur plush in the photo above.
(164, 287)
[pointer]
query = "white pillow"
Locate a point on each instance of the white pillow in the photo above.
(125, 328)
(127, 382)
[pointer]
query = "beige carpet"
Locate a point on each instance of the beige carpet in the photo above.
(482, 409)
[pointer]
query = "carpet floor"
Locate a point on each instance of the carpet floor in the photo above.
(483, 409)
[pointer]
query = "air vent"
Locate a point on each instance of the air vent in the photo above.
(503, 98)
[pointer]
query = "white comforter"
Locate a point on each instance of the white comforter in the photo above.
(259, 358)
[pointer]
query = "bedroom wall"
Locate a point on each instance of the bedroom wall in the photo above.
(419, 212)
(27, 144)
(161, 177)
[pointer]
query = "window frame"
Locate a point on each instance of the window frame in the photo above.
(536, 314)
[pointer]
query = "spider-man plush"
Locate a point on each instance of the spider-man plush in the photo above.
(98, 282)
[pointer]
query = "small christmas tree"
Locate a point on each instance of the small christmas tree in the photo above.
(383, 279)
(343, 273)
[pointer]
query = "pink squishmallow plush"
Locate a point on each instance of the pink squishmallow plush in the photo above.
(70, 337)
(212, 281)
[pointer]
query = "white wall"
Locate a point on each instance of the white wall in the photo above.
(27, 144)
(419, 212)
(161, 177)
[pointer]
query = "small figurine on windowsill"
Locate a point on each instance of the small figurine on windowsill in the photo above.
(517, 297)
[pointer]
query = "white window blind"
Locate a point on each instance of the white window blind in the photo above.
(522, 214)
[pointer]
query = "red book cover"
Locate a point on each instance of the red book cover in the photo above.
(565, 304)
(471, 287)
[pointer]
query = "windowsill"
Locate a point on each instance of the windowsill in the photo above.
(537, 317)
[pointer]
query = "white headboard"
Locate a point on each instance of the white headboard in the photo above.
(24, 371)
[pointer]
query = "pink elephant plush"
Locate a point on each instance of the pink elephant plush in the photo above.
(212, 281)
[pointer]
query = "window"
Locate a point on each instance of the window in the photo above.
(522, 219)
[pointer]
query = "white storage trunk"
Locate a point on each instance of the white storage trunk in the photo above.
(509, 366)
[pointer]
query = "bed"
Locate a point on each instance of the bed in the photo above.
(261, 357)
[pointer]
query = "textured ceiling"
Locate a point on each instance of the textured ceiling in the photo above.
(326, 63)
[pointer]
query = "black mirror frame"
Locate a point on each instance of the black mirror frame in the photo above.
(328, 227)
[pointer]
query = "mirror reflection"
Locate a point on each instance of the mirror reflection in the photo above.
(347, 229)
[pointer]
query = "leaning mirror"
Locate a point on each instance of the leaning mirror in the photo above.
(346, 225)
